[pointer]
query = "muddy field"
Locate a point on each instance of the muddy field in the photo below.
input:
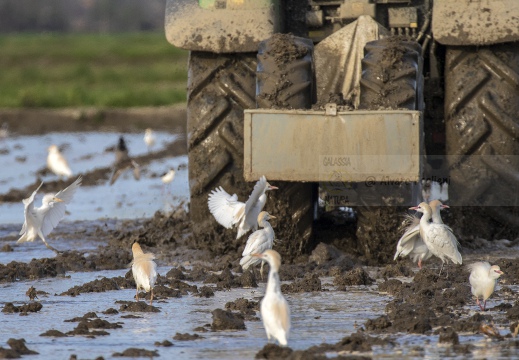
(81, 303)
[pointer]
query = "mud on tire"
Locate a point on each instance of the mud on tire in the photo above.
(220, 87)
(481, 107)
(285, 80)
(391, 79)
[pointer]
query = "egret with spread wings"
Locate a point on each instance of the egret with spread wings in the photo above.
(228, 211)
(40, 221)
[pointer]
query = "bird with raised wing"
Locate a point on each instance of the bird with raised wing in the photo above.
(144, 270)
(228, 211)
(411, 243)
(42, 220)
(57, 163)
(483, 280)
(258, 242)
(123, 162)
(274, 309)
(149, 138)
(438, 238)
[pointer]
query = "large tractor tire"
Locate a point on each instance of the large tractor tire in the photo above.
(285, 80)
(482, 138)
(220, 87)
(392, 78)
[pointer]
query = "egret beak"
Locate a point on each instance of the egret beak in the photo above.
(272, 217)
(55, 199)
(257, 255)
(414, 208)
(499, 272)
(445, 206)
(270, 187)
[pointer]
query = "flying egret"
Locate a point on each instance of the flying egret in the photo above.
(483, 280)
(258, 242)
(228, 211)
(411, 243)
(57, 163)
(144, 270)
(439, 238)
(123, 162)
(274, 309)
(149, 138)
(40, 221)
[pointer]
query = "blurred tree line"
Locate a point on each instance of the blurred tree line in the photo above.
(81, 15)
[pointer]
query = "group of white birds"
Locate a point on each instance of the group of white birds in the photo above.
(40, 221)
(427, 236)
(422, 238)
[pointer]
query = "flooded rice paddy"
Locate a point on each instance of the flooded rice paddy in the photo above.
(329, 316)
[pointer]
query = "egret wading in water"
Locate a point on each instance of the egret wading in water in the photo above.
(483, 280)
(42, 220)
(411, 242)
(123, 162)
(144, 270)
(167, 178)
(228, 211)
(149, 138)
(274, 309)
(57, 163)
(258, 242)
(439, 238)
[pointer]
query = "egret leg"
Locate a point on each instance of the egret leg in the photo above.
(443, 264)
(484, 305)
(261, 269)
(48, 246)
(420, 264)
(151, 298)
(137, 296)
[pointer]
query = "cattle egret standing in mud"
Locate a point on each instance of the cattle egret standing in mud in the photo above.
(123, 162)
(40, 221)
(149, 138)
(274, 307)
(168, 177)
(144, 270)
(411, 243)
(439, 238)
(228, 211)
(258, 242)
(483, 280)
(57, 163)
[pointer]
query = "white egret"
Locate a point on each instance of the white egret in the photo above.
(483, 280)
(167, 178)
(258, 242)
(149, 138)
(57, 163)
(439, 238)
(274, 309)
(411, 243)
(40, 221)
(228, 211)
(144, 270)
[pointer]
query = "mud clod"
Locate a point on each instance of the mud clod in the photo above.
(165, 343)
(448, 335)
(245, 307)
(136, 306)
(248, 280)
(357, 276)
(134, 352)
(205, 291)
(187, 337)
(273, 351)
(100, 285)
(19, 346)
(53, 333)
(378, 324)
(391, 286)
(308, 284)
(10, 308)
(226, 320)
(324, 253)
(110, 311)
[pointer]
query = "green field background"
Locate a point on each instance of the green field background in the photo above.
(100, 70)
